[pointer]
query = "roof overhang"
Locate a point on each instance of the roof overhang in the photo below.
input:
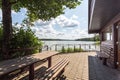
(101, 12)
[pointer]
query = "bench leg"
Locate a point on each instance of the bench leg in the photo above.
(62, 70)
(49, 62)
(31, 72)
(100, 58)
(104, 61)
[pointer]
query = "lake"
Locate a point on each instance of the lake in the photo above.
(67, 42)
(87, 45)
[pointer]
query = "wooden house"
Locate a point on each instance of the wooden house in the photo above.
(104, 18)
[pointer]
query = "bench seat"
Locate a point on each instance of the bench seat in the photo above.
(54, 71)
(102, 56)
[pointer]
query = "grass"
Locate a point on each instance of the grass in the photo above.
(71, 50)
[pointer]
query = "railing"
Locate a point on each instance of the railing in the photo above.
(58, 47)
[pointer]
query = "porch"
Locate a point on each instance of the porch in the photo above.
(82, 66)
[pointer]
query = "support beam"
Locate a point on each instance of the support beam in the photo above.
(115, 47)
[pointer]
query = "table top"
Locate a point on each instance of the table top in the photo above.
(14, 64)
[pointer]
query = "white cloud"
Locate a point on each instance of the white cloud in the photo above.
(74, 17)
(13, 12)
(67, 29)
(42, 23)
(67, 22)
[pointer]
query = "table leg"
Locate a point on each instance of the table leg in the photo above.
(31, 72)
(49, 62)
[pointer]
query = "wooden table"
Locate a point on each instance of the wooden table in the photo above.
(18, 63)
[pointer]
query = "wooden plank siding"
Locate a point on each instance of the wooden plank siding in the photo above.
(115, 35)
(118, 50)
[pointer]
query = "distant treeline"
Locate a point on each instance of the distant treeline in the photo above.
(56, 40)
(95, 38)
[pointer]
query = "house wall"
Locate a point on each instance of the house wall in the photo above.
(108, 44)
(118, 45)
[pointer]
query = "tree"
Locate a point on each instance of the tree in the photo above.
(36, 9)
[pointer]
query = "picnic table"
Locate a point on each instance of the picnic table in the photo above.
(9, 66)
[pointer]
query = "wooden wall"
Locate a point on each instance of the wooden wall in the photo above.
(118, 45)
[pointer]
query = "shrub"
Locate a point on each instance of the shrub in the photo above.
(23, 42)
(71, 50)
(63, 50)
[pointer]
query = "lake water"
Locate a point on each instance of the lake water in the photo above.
(67, 42)
(87, 45)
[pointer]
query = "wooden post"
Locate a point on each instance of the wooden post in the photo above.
(47, 47)
(101, 36)
(115, 37)
(74, 47)
(89, 47)
(80, 46)
(56, 47)
(68, 45)
(31, 72)
(49, 62)
(85, 47)
(95, 46)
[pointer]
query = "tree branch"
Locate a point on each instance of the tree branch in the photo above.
(13, 2)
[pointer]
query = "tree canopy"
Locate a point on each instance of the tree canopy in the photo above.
(43, 9)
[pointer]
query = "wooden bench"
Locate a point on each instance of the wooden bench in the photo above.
(54, 71)
(102, 56)
(9, 66)
(104, 53)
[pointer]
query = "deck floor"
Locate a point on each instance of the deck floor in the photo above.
(85, 66)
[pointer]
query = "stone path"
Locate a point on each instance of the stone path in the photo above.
(85, 66)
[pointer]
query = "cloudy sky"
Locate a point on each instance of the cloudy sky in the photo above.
(71, 25)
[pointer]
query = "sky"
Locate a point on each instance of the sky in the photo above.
(71, 25)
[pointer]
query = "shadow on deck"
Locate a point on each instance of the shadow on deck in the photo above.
(86, 66)
(83, 66)
(97, 71)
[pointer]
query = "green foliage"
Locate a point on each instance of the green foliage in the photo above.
(97, 43)
(22, 39)
(44, 9)
(71, 50)
(63, 50)
(97, 38)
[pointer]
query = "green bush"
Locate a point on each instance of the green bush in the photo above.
(23, 42)
(71, 50)
(63, 50)
(97, 43)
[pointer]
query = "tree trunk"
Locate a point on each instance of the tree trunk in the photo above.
(7, 27)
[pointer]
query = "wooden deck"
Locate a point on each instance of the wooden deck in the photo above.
(83, 66)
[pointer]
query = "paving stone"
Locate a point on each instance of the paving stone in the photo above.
(85, 66)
